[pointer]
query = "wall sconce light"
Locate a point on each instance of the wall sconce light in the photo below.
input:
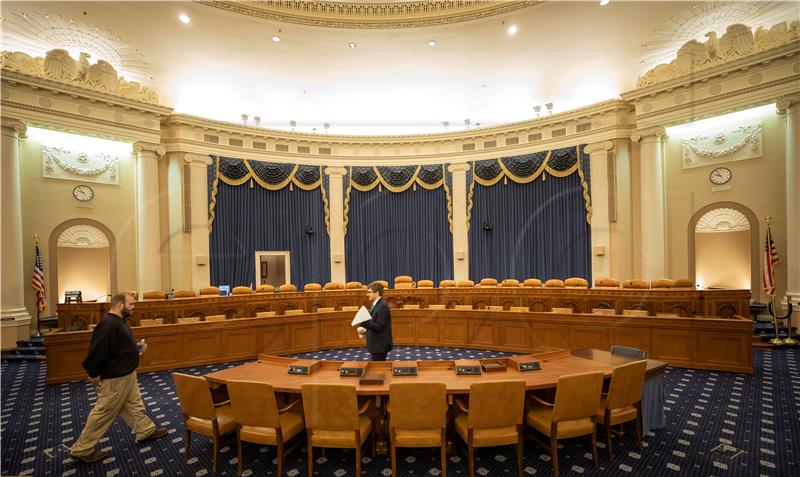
(549, 107)
(309, 230)
(488, 226)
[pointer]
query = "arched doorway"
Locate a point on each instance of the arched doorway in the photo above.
(723, 246)
(83, 257)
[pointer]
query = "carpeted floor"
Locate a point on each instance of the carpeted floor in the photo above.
(757, 415)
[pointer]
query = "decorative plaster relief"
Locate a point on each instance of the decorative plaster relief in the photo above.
(83, 236)
(737, 42)
(59, 163)
(722, 220)
(743, 142)
(58, 66)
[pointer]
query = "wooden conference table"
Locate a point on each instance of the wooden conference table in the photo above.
(554, 363)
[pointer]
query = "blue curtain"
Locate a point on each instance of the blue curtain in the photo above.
(251, 219)
(537, 230)
(403, 233)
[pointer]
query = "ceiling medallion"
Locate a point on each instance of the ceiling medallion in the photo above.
(370, 14)
(35, 33)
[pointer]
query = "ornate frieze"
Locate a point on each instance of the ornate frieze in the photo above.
(83, 236)
(59, 66)
(738, 41)
(370, 14)
(737, 144)
(723, 219)
(60, 163)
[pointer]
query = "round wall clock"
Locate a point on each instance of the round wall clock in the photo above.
(720, 175)
(83, 193)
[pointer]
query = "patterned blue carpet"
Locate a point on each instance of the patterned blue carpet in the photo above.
(758, 416)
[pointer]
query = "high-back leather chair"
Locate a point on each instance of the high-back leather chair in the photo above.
(404, 281)
(623, 402)
(465, 284)
(532, 283)
(209, 291)
(154, 295)
(418, 418)
(353, 286)
(201, 414)
(606, 282)
(287, 287)
(494, 418)
(662, 283)
(628, 351)
(259, 420)
(333, 419)
(265, 288)
(183, 293)
(488, 282)
(554, 283)
(636, 284)
(330, 286)
(312, 287)
(510, 283)
(425, 284)
(576, 282)
(447, 284)
(684, 283)
(242, 290)
(571, 415)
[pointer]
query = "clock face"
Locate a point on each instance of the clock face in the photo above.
(83, 193)
(720, 175)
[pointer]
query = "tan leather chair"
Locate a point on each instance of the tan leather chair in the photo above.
(403, 286)
(554, 283)
(209, 291)
(295, 311)
(606, 283)
(571, 415)
(662, 283)
(333, 419)
(494, 418)
(353, 286)
(628, 351)
(684, 283)
(266, 288)
(201, 414)
(153, 322)
(637, 284)
(241, 291)
(215, 317)
(189, 319)
(259, 420)
(635, 313)
(488, 282)
(404, 279)
(532, 283)
(154, 295)
(418, 418)
(333, 286)
(425, 284)
(384, 283)
(465, 284)
(576, 282)
(510, 283)
(447, 284)
(266, 314)
(286, 288)
(184, 293)
(312, 287)
(623, 402)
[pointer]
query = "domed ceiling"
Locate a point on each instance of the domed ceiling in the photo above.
(366, 68)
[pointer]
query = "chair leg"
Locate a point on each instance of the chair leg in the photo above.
(216, 453)
(594, 446)
(394, 458)
(554, 454)
(638, 425)
(608, 442)
(239, 452)
(187, 438)
(471, 455)
(520, 450)
(280, 457)
(444, 454)
(310, 454)
(358, 459)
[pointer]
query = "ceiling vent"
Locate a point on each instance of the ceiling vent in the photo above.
(584, 127)
(325, 151)
(510, 141)
(468, 147)
(282, 147)
(489, 144)
(260, 145)
(235, 142)
(559, 132)
(211, 138)
(303, 149)
(535, 137)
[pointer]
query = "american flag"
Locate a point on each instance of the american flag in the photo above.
(37, 282)
(770, 260)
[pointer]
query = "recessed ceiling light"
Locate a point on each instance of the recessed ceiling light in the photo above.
(603, 3)
(352, 44)
(432, 43)
(512, 29)
(276, 38)
(184, 18)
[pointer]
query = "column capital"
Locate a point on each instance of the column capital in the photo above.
(14, 127)
(458, 167)
(197, 160)
(602, 146)
(786, 103)
(148, 148)
(335, 171)
(657, 131)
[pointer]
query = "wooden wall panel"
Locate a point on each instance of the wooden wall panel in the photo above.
(403, 329)
(629, 336)
(515, 336)
(238, 344)
(453, 331)
(550, 334)
(273, 339)
(427, 329)
(200, 346)
(482, 333)
(724, 349)
(675, 346)
(163, 352)
(332, 333)
(303, 336)
(588, 336)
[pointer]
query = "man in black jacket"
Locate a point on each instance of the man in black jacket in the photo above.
(111, 366)
(379, 328)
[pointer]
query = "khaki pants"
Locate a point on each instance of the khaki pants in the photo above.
(116, 396)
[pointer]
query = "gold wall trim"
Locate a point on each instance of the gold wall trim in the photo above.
(370, 15)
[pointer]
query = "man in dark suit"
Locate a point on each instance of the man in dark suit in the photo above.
(379, 328)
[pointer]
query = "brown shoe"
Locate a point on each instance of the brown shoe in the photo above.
(93, 457)
(157, 433)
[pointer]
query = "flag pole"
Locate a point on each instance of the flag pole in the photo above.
(777, 340)
(38, 313)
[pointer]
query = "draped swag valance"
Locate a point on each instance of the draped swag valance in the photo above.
(529, 167)
(398, 179)
(270, 176)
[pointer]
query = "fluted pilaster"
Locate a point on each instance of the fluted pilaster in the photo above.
(652, 221)
(336, 207)
(198, 183)
(789, 107)
(460, 240)
(148, 250)
(601, 232)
